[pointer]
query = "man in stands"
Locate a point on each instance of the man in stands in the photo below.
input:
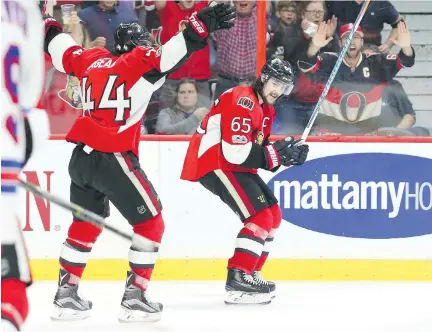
(354, 102)
(372, 23)
(100, 21)
(173, 15)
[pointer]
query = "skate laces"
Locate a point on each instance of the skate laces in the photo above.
(259, 279)
(145, 297)
(249, 279)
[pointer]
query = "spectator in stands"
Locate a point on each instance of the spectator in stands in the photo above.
(287, 33)
(378, 13)
(185, 116)
(147, 14)
(293, 112)
(172, 16)
(101, 19)
(237, 48)
(397, 108)
(362, 97)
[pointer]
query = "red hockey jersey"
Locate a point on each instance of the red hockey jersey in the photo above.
(115, 89)
(236, 118)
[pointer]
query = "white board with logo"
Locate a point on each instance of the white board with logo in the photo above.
(349, 200)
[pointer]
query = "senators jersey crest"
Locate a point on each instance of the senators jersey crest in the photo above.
(246, 103)
(71, 94)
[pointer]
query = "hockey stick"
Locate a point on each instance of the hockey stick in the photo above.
(334, 71)
(74, 208)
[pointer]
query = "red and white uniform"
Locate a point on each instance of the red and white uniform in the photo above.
(115, 89)
(224, 139)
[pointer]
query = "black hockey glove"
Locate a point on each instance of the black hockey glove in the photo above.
(210, 19)
(285, 152)
(301, 154)
(217, 16)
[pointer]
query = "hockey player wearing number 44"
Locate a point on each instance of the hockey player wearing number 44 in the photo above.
(116, 89)
(224, 154)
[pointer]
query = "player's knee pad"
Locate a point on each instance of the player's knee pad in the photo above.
(14, 304)
(84, 232)
(151, 229)
(260, 223)
(277, 216)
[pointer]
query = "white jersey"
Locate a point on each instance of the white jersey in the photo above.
(22, 80)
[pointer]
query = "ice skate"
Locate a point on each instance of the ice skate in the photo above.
(243, 289)
(271, 285)
(68, 304)
(135, 306)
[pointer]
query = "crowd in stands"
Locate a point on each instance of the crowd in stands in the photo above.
(229, 60)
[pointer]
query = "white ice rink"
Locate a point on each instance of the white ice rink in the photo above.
(298, 307)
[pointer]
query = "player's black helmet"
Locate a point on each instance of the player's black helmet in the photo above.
(278, 69)
(127, 36)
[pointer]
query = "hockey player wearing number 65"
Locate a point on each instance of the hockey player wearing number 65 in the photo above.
(224, 154)
(116, 89)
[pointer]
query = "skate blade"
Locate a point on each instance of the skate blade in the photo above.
(132, 316)
(243, 298)
(67, 314)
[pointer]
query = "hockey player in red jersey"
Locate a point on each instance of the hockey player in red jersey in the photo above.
(116, 89)
(224, 154)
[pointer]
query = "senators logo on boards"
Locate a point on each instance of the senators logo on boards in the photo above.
(246, 103)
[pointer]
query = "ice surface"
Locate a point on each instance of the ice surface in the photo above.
(298, 307)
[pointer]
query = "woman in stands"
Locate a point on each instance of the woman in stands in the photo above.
(185, 115)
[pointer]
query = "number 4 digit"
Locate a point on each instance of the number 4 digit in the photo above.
(120, 104)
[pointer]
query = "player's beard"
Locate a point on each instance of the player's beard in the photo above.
(268, 100)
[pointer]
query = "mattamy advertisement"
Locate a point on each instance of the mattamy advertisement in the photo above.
(353, 211)
(359, 195)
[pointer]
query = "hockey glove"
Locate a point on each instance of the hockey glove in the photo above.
(209, 20)
(285, 152)
(51, 23)
(51, 29)
(301, 154)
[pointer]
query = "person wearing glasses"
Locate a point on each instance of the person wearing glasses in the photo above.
(293, 112)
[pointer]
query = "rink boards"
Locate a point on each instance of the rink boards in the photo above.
(354, 211)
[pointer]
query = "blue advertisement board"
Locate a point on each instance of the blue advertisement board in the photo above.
(359, 195)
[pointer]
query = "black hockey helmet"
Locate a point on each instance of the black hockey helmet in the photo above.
(279, 70)
(127, 36)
